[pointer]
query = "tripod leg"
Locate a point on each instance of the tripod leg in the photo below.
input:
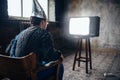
(86, 46)
(90, 53)
(75, 58)
(80, 49)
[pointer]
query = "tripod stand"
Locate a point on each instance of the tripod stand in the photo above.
(80, 58)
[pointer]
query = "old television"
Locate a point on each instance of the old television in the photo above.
(87, 26)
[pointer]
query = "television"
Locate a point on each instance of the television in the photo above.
(87, 26)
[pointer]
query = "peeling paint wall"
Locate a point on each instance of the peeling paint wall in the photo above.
(109, 13)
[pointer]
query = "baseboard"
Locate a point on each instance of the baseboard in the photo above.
(105, 50)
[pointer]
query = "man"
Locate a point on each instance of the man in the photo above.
(38, 40)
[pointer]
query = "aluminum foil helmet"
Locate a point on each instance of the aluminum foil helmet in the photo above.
(37, 10)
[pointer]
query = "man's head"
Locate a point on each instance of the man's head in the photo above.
(42, 23)
(38, 17)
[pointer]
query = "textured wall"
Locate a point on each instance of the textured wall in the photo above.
(109, 12)
(3, 9)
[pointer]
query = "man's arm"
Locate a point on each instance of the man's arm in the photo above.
(7, 50)
(49, 52)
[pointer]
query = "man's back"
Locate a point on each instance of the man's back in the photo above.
(37, 40)
(22, 42)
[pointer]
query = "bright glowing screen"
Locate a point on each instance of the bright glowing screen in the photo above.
(79, 26)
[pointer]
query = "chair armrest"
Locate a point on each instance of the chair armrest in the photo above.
(48, 65)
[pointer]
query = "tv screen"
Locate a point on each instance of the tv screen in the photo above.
(84, 26)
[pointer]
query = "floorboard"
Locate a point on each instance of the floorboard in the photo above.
(102, 63)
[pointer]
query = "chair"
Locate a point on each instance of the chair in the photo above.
(22, 68)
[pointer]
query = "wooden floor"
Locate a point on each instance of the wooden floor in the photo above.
(102, 63)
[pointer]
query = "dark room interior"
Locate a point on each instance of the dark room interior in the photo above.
(105, 48)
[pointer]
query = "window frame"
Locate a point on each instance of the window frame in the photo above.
(21, 17)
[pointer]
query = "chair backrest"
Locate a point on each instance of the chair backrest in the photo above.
(18, 68)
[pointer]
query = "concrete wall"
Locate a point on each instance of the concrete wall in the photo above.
(109, 13)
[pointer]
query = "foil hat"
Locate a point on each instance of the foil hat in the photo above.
(37, 10)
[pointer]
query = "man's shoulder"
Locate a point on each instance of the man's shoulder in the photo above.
(42, 32)
(36, 32)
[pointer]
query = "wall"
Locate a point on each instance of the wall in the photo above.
(109, 13)
(3, 9)
(8, 30)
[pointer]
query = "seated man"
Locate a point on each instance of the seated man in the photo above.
(38, 40)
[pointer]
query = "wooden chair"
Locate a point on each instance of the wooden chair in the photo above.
(22, 68)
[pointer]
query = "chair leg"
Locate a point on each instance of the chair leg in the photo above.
(33, 76)
(58, 69)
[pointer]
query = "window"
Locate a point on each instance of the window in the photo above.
(23, 8)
